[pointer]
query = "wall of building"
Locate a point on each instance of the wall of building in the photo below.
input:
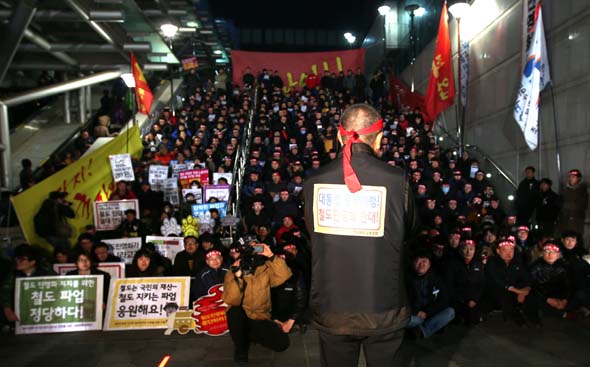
(495, 29)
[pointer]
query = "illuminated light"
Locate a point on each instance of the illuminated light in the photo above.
(29, 127)
(192, 24)
(383, 9)
(510, 197)
(217, 52)
(488, 175)
(350, 37)
(479, 16)
(454, 153)
(459, 9)
(572, 36)
(420, 12)
(128, 79)
(347, 35)
(441, 138)
(164, 361)
(169, 30)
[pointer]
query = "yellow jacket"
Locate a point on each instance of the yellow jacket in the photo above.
(256, 301)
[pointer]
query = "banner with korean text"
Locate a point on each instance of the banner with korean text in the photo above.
(86, 180)
(293, 67)
(167, 246)
(58, 304)
(143, 303)
(125, 248)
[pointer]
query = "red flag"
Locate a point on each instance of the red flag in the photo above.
(441, 85)
(143, 93)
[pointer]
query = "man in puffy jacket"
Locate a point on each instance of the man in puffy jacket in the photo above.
(247, 293)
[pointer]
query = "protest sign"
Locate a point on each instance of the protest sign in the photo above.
(58, 304)
(141, 303)
(192, 175)
(115, 270)
(122, 167)
(190, 63)
(124, 248)
(201, 211)
(209, 312)
(220, 192)
(218, 175)
(170, 188)
(197, 193)
(156, 176)
(108, 215)
(167, 246)
(178, 167)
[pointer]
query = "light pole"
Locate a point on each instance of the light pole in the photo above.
(169, 30)
(383, 11)
(412, 9)
(459, 9)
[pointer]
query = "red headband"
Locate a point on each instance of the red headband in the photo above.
(551, 247)
(350, 177)
(212, 253)
(506, 244)
(469, 243)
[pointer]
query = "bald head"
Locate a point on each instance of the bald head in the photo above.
(360, 116)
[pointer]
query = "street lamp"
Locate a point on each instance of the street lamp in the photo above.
(169, 30)
(383, 11)
(459, 9)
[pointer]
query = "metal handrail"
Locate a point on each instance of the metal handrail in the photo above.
(242, 156)
(474, 148)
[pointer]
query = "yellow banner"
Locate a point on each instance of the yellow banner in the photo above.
(87, 180)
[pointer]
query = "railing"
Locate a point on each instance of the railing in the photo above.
(242, 157)
(480, 154)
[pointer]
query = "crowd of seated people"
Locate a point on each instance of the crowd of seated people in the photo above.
(472, 255)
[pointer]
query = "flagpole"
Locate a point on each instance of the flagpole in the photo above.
(556, 137)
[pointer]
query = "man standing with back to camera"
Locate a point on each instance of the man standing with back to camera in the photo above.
(357, 237)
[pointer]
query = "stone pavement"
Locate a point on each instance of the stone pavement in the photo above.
(558, 343)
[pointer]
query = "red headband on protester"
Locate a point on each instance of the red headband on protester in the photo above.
(212, 253)
(350, 178)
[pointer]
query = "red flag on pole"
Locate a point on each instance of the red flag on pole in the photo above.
(143, 93)
(441, 85)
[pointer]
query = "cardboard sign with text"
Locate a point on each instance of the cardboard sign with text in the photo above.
(58, 304)
(201, 211)
(167, 246)
(140, 303)
(191, 175)
(122, 167)
(125, 248)
(220, 192)
(108, 215)
(156, 176)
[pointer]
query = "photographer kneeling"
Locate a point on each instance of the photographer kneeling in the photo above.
(247, 293)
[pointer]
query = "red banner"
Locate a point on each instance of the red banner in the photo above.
(401, 95)
(440, 93)
(294, 67)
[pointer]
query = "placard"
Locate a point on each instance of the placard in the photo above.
(190, 63)
(201, 211)
(122, 167)
(108, 215)
(198, 193)
(339, 212)
(156, 176)
(58, 304)
(167, 246)
(170, 188)
(140, 303)
(125, 248)
(178, 167)
(115, 270)
(221, 192)
(218, 175)
(191, 175)
(209, 312)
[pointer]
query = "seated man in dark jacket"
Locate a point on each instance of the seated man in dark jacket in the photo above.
(186, 262)
(428, 297)
(551, 281)
(466, 279)
(579, 270)
(508, 285)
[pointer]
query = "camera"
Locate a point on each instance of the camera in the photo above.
(248, 251)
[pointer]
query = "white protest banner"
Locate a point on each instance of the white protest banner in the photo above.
(58, 304)
(115, 270)
(108, 215)
(197, 193)
(201, 211)
(220, 192)
(218, 175)
(170, 188)
(122, 167)
(167, 246)
(156, 176)
(177, 167)
(125, 248)
(140, 303)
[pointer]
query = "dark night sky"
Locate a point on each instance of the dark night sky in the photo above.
(352, 15)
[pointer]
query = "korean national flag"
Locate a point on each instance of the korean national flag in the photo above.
(534, 79)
